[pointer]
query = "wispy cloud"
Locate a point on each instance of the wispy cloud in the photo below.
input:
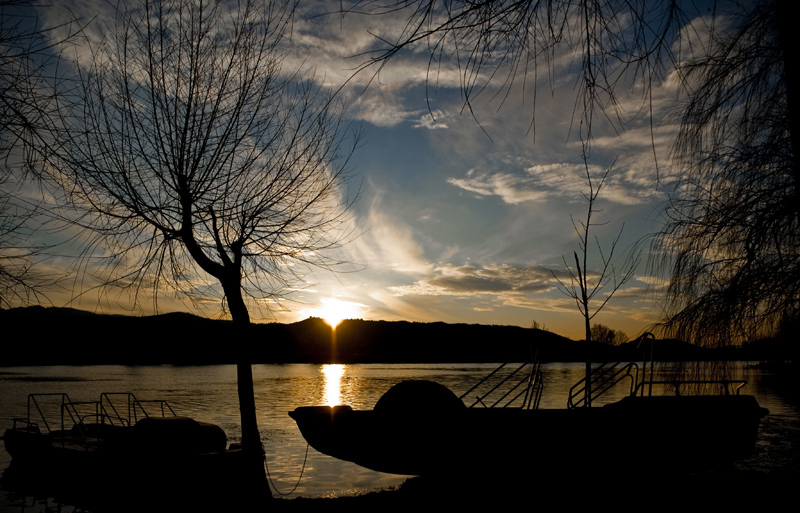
(382, 110)
(558, 182)
(387, 243)
(432, 120)
(465, 280)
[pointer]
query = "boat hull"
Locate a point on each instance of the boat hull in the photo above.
(159, 462)
(668, 433)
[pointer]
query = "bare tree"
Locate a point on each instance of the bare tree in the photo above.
(585, 284)
(191, 153)
(536, 325)
(732, 239)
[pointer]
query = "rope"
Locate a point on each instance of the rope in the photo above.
(271, 482)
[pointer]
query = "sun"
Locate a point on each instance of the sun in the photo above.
(333, 310)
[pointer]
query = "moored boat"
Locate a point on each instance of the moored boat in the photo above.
(101, 450)
(422, 428)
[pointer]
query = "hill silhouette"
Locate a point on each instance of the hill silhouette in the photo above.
(65, 336)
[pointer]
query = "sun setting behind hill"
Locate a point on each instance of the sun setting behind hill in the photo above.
(333, 311)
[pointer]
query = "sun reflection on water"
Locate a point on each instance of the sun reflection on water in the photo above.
(333, 382)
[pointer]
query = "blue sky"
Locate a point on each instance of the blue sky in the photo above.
(458, 222)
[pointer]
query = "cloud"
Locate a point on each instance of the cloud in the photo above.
(512, 189)
(536, 183)
(383, 110)
(431, 121)
(563, 181)
(469, 280)
(325, 39)
(497, 287)
(387, 244)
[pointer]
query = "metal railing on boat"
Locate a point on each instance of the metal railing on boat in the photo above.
(134, 408)
(516, 388)
(83, 422)
(35, 407)
(608, 375)
(603, 379)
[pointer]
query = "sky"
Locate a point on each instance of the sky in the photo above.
(460, 217)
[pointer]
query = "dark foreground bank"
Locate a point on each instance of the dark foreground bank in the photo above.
(640, 487)
(729, 489)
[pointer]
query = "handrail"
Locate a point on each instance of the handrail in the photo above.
(530, 394)
(677, 383)
(79, 420)
(606, 377)
(479, 399)
(105, 398)
(105, 411)
(533, 393)
(134, 407)
(481, 382)
(538, 389)
(32, 400)
(639, 341)
(512, 389)
(163, 405)
(66, 406)
(629, 371)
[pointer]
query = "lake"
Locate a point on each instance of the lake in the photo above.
(208, 393)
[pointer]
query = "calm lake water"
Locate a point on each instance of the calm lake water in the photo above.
(208, 393)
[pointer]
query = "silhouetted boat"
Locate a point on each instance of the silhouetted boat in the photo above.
(422, 428)
(112, 444)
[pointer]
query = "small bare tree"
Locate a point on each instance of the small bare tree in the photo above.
(191, 153)
(584, 285)
(536, 325)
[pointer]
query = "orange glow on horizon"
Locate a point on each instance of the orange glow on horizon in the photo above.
(333, 311)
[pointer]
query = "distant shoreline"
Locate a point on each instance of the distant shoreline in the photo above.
(65, 336)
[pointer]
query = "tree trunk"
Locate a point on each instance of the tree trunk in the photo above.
(255, 487)
(588, 372)
(786, 27)
(587, 389)
(253, 483)
(251, 438)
